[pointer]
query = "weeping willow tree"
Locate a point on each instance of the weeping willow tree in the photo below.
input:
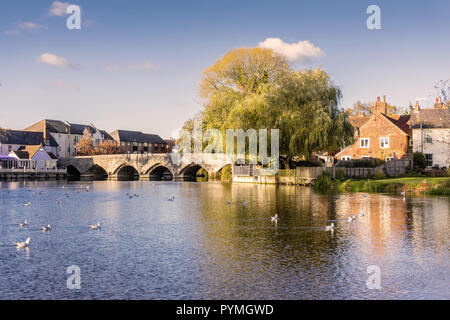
(257, 88)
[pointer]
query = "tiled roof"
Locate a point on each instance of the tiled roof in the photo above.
(357, 121)
(136, 136)
(431, 118)
(22, 154)
(20, 137)
(401, 121)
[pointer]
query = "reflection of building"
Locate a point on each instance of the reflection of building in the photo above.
(431, 134)
(68, 134)
(378, 135)
(138, 142)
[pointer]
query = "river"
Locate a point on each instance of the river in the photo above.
(199, 246)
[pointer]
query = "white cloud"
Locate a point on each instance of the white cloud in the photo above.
(53, 60)
(301, 51)
(12, 32)
(147, 65)
(61, 85)
(58, 8)
(30, 26)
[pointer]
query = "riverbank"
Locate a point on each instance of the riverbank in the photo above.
(417, 185)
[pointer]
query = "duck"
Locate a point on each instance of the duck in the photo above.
(46, 228)
(95, 227)
(27, 204)
(330, 227)
(23, 224)
(24, 244)
(275, 218)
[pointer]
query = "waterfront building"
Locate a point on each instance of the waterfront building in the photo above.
(378, 135)
(431, 134)
(34, 158)
(67, 135)
(14, 140)
(138, 142)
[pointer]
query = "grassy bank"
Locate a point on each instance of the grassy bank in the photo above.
(419, 185)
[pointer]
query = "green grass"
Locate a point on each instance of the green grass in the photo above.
(425, 185)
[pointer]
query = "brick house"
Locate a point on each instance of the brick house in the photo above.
(378, 135)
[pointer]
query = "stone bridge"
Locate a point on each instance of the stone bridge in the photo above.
(144, 166)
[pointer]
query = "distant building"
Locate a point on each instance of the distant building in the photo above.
(431, 134)
(14, 140)
(171, 144)
(67, 134)
(138, 142)
(35, 157)
(379, 135)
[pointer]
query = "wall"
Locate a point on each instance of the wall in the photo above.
(440, 147)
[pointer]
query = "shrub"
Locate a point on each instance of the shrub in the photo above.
(379, 175)
(420, 162)
(226, 175)
(323, 182)
(340, 174)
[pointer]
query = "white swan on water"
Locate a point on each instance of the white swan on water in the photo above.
(275, 218)
(23, 224)
(27, 204)
(24, 244)
(46, 228)
(330, 227)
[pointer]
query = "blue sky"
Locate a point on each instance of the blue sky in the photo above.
(136, 64)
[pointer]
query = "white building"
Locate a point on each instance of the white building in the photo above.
(35, 157)
(431, 134)
(14, 140)
(67, 135)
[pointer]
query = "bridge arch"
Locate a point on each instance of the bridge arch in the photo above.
(73, 173)
(97, 172)
(193, 172)
(126, 172)
(218, 173)
(160, 172)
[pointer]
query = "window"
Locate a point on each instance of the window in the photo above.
(364, 142)
(9, 148)
(384, 142)
(366, 157)
(346, 158)
(389, 158)
(429, 158)
(428, 138)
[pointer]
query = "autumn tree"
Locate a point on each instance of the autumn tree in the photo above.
(85, 147)
(109, 147)
(257, 88)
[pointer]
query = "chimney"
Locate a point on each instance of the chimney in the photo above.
(379, 106)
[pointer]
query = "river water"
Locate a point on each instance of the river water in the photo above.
(200, 247)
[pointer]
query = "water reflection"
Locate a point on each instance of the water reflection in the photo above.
(201, 247)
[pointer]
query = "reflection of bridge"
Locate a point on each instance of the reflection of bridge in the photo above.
(143, 166)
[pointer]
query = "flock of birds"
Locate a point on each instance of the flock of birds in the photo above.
(59, 200)
(330, 227)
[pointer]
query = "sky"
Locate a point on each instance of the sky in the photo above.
(136, 64)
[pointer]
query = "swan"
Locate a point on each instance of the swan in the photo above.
(23, 224)
(46, 228)
(171, 199)
(95, 227)
(351, 219)
(27, 204)
(330, 227)
(25, 244)
(275, 218)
